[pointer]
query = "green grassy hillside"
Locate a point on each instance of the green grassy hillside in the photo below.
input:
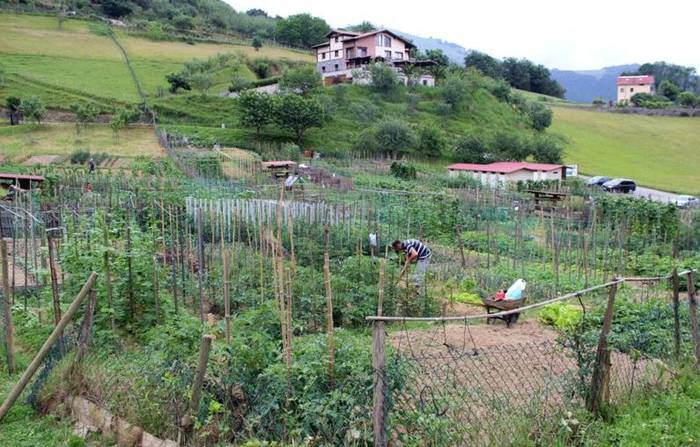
(75, 60)
(661, 152)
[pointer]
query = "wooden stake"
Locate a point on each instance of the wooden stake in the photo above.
(693, 305)
(329, 306)
(227, 296)
(7, 309)
(108, 277)
(601, 368)
(46, 347)
(54, 281)
(379, 389)
(676, 314)
(204, 349)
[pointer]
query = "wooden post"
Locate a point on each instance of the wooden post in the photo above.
(204, 349)
(7, 308)
(693, 305)
(156, 289)
(329, 306)
(460, 244)
(130, 284)
(46, 347)
(86, 327)
(54, 281)
(200, 260)
(108, 276)
(601, 367)
(676, 315)
(227, 297)
(378, 359)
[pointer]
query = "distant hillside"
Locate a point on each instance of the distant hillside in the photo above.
(586, 85)
(455, 52)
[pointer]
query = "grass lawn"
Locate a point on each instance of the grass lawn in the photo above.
(661, 152)
(105, 78)
(21, 142)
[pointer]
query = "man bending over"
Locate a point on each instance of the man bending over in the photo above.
(416, 252)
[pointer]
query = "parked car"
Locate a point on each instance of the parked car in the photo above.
(598, 180)
(684, 201)
(622, 185)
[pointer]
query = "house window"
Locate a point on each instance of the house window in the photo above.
(398, 55)
(349, 53)
(336, 67)
(387, 41)
(383, 40)
(336, 53)
(323, 55)
(425, 82)
(387, 55)
(336, 39)
(362, 51)
(631, 89)
(622, 90)
(323, 68)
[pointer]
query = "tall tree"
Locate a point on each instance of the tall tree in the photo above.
(255, 110)
(84, 115)
(487, 65)
(363, 27)
(33, 108)
(300, 80)
(301, 30)
(298, 114)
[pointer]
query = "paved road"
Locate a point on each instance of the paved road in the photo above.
(655, 194)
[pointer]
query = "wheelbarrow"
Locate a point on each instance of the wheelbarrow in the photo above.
(493, 306)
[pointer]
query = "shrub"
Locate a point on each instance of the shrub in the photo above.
(79, 156)
(431, 141)
(471, 149)
(383, 78)
(501, 90)
(33, 108)
(509, 146)
(443, 109)
(546, 149)
(599, 102)
(402, 171)
(394, 136)
(301, 80)
(540, 116)
(688, 99)
(291, 151)
(364, 111)
(261, 69)
(454, 89)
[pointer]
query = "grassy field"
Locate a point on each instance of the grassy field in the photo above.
(21, 142)
(660, 152)
(75, 57)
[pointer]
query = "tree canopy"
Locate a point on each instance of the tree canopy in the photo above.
(301, 30)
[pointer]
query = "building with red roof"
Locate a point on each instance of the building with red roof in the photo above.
(501, 172)
(628, 86)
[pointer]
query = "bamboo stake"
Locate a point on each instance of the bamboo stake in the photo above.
(54, 281)
(227, 297)
(329, 307)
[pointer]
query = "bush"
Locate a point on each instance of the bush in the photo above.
(291, 151)
(471, 149)
(261, 69)
(301, 80)
(431, 141)
(443, 109)
(540, 116)
(383, 78)
(454, 89)
(688, 99)
(364, 111)
(546, 149)
(79, 156)
(402, 171)
(394, 136)
(33, 108)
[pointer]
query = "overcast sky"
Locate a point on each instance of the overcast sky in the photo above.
(557, 33)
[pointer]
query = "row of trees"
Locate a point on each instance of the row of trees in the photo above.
(522, 74)
(683, 78)
(30, 108)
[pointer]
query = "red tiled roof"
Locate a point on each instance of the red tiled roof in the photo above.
(503, 167)
(635, 80)
(10, 176)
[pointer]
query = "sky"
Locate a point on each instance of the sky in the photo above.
(560, 34)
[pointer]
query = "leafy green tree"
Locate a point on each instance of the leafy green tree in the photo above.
(12, 104)
(502, 91)
(540, 116)
(394, 136)
(183, 22)
(122, 118)
(437, 56)
(257, 43)
(471, 149)
(201, 82)
(33, 108)
(669, 89)
(641, 99)
(300, 80)
(454, 90)
(363, 27)
(684, 77)
(411, 73)
(301, 30)
(688, 99)
(486, 64)
(509, 146)
(256, 110)
(255, 12)
(431, 141)
(261, 69)
(298, 114)
(84, 115)
(116, 8)
(178, 81)
(546, 149)
(383, 78)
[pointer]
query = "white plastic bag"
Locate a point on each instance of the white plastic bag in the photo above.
(515, 291)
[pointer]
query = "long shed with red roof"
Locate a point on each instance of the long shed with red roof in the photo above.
(508, 171)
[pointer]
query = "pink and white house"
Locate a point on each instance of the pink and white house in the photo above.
(499, 173)
(346, 52)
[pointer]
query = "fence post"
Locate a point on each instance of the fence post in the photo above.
(676, 315)
(198, 381)
(7, 308)
(54, 280)
(601, 368)
(43, 352)
(378, 361)
(693, 305)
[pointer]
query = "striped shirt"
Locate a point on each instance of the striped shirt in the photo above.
(421, 249)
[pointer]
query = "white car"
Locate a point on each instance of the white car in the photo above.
(684, 201)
